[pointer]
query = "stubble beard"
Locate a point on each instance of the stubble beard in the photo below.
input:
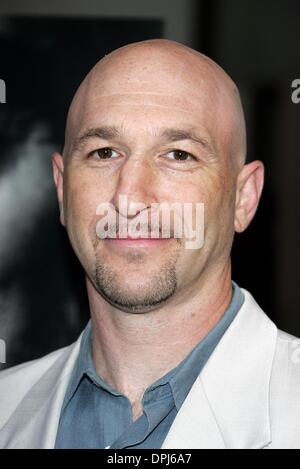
(141, 298)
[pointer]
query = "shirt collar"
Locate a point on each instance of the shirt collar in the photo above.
(180, 378)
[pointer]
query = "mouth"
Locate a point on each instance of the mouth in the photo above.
(137, 242)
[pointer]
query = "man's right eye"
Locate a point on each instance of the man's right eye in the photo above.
(103, 153)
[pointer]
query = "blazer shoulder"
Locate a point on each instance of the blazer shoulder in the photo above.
(286, 337)
(285, 393)
(287, 354)
(17, 381)
(32, 366)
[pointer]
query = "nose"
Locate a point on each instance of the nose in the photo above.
(136, 181)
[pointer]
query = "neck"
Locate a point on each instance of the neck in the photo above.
(131, 351)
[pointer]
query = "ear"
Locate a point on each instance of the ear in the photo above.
(58, 173)
(249, 188)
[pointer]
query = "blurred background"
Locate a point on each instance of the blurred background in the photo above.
(46, 49)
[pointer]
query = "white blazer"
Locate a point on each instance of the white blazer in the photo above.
(246, 396)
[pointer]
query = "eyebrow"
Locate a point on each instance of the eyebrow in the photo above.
(105, 133)
(176, 135)
(169, 134)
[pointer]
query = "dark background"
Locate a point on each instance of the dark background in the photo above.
(46, 49)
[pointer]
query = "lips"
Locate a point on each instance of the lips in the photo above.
(137, 238)
(136, 242)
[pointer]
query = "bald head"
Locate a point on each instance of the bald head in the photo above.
(158, 124)
(167, 69)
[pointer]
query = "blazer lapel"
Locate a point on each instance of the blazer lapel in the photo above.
(195, 426)
(228, 405)
(35, 421)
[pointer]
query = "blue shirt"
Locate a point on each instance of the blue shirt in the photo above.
(95, 415)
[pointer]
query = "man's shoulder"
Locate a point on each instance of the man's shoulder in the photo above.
(33, 367)
(287, 354)
(285, 337)
(286, 346)
(16, 382)
(285, 392)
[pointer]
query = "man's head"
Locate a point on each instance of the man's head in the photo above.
(156, 122)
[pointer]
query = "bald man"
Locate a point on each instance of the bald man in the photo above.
(176, 354)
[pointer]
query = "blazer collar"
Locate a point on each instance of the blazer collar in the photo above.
(228, 405)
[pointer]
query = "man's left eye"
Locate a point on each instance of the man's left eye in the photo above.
(180, 155)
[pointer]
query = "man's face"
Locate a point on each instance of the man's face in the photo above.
(154, 138)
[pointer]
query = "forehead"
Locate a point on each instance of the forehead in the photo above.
(158, 91)
(146, 112)
(144, 119)
(144, 105)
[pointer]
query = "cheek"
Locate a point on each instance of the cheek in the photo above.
(220, 211)
(216, 192)
(208, 189)
(82, 195)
